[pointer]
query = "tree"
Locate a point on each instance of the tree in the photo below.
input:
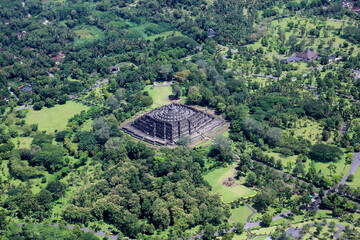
(3, 220)
(266, 219)
(49, 102)
(56, 188)
(350, 178)
(325, 153)
(39, 105)
(209, 231)
(182, 76)
(221, 149)
(273, 136)
(251, 128)
(239, 228)
(165, 70)
(299, 169)
(250, 179)
(34, 127)
(194, 95)
(324, 60)
(176, 90)
(332, 169)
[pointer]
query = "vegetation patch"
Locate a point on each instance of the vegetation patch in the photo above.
(160, 95)
(229, 192)
(88, 33)
(240, 214)
(55, 118)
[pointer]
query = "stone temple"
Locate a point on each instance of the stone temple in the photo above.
(163, 126)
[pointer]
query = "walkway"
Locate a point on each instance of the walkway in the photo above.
(24, 107)
(253, 211)
(354, 166)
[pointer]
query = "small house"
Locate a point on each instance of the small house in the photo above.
(7, 22)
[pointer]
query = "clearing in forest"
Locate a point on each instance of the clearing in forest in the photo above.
(160, 95)
(55, 118)
(219, 180)
(88, 33)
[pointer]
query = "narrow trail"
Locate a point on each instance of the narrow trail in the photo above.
(252, 214)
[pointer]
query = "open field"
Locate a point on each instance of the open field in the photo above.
(240, 214)
(55, 118)
(85, 33)
(229, 194)
(341, 167)
(160, 95)
(310, 130)
(242, 236)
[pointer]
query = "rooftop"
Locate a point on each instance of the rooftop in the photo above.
(307, 54)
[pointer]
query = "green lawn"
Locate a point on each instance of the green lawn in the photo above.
(356, 182)
(341, 168)
(229, 194)
(240, 214)
(242, 236)
(55, 118)
(160, 95)
(163, 35)
(86, 33)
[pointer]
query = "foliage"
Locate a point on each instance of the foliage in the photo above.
(325, 153)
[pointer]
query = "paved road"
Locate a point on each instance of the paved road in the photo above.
(340, 20)
(24, 107)
(354, 166)
(277, 217)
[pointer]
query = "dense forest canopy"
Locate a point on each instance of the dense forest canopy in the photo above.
(73, 73)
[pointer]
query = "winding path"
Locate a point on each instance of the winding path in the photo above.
(252, 214)
(354, 166)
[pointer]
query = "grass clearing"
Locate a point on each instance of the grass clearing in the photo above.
(229, 194)
(242, 236)
(160, 95)
(55, 118)
(86, 33)
(240, 214)
(356, 181)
